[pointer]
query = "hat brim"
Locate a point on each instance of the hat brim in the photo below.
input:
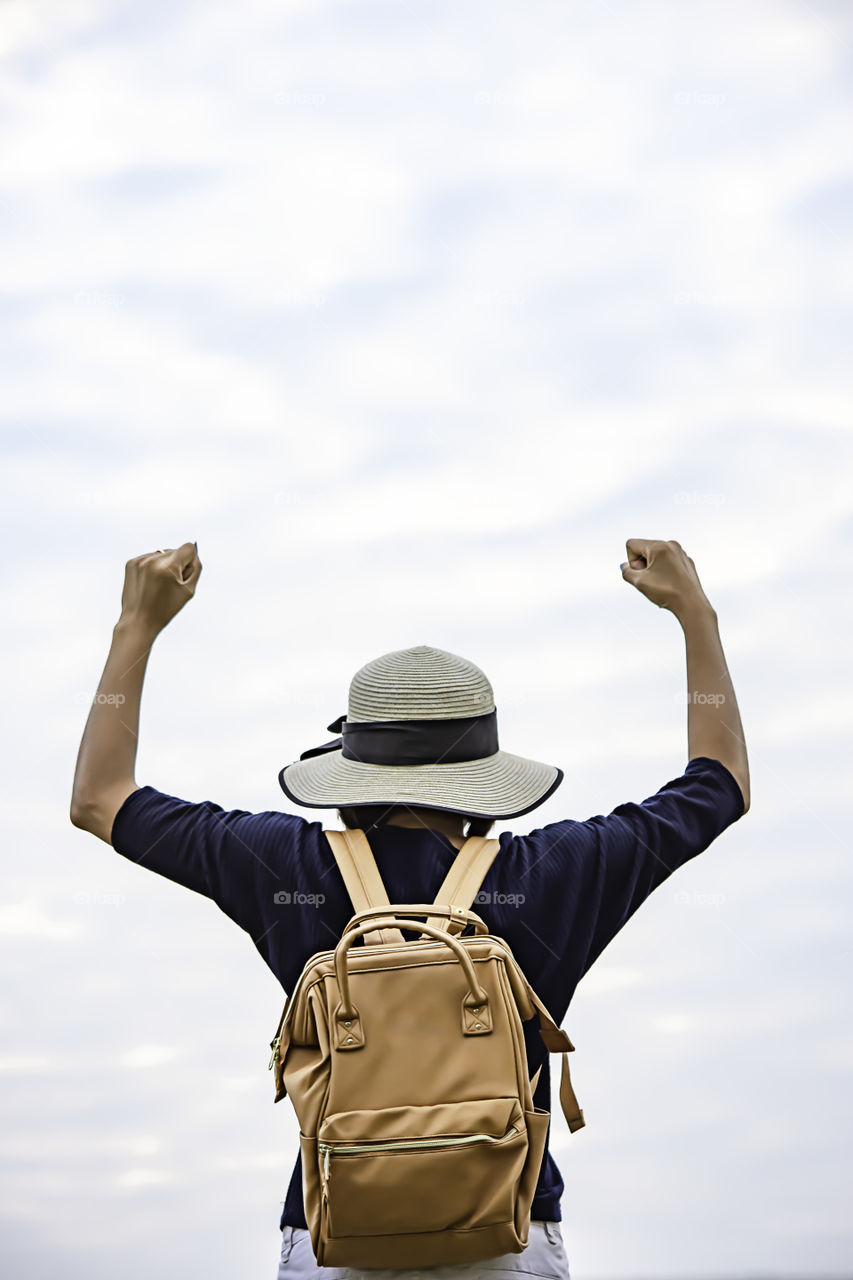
(498, 786)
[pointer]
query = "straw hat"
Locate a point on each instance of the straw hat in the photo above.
(420, 729)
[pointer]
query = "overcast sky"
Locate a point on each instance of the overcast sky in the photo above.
(411, 314)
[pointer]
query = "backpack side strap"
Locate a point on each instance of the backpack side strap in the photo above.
(357, 865)
(568, 1101)
(557, 1041)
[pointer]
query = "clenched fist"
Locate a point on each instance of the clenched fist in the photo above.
(158, 584)
(664, 573)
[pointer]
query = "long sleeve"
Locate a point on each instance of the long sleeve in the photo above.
(249, 864)
(591, 876)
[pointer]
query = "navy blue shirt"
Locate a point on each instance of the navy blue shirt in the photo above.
(580, 881)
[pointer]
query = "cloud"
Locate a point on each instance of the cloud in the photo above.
(148, 1055)
(143, 1178)
(27, 919)
(412, 315)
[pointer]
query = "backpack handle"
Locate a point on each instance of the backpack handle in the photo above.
(422, 908)
(346, 1011)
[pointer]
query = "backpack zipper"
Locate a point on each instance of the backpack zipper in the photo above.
(404, 1144)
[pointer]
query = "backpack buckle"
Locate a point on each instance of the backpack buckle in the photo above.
(458, 921)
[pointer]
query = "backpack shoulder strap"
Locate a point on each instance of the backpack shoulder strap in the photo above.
(460, 888)
(462, 882)
(357, 865)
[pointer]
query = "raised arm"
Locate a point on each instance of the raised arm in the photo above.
(156, 587)
(666, 575)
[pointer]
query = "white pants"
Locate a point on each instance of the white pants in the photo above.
(544, 1256)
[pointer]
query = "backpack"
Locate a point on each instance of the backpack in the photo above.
(406, 1066)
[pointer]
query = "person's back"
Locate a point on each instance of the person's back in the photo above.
(418, 767)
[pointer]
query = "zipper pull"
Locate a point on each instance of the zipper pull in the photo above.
(326, 1165)
(274, 1054)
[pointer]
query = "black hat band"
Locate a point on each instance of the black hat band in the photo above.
(414, 742)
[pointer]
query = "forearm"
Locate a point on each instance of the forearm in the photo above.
(714, 726)
(107, 754)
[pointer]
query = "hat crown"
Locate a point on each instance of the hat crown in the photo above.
(420, 683)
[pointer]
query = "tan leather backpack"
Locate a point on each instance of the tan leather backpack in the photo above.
(406, 1066)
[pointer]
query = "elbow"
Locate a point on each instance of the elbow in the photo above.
(79, 815)
(741, 777)
(744, 788)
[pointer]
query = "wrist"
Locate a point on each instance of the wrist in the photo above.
(134, 627)
(698, 610)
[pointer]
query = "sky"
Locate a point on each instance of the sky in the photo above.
(411, 315)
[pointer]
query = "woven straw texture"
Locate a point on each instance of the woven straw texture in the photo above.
(422, 683)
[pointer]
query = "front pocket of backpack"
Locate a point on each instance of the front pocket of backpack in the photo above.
(411, 1169)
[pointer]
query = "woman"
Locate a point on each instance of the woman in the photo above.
(418, 767)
